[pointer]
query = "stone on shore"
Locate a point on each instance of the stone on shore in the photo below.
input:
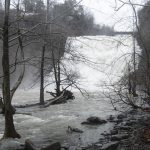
(94, 121)
(41, 145)
(119, 137)
(111, 118)
(110, 146)
(121, 116)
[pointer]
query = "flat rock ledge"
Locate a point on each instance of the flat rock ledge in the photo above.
(11, 144)
(41, 145)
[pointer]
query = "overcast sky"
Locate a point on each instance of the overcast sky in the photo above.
(104, 12)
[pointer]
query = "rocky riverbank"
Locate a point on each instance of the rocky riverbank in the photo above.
(131, 132)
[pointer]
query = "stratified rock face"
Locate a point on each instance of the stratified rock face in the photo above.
(41, 145)
(144, 21)
(1, 69)
(94, 121)
(143, 38)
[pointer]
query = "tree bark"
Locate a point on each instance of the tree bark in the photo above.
(58, 81)
(10, 131)
(58, 74)
(42, 77)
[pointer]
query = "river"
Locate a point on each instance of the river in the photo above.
(52, 122)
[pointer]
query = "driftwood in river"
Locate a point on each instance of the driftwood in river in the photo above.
(65, 95)
(56, 100)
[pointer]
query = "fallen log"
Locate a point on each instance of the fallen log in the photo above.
(51, 93)
(26, 105)
(23, 113)
(71, 129)
(57, 100)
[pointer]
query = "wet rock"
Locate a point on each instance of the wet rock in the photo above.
(29, 145)
(132, 112)
(121, 116)
(110, 146)
(119, 137)
(65, 146)
(71, 129)
(41, 145)
(130, 122)
(125, 128)
(72, 148)
(83, 147)
(105, 133)
(102, 140)
(98, 145)
(113, 132)
(117, 121)
(94, 121)
(111, 118)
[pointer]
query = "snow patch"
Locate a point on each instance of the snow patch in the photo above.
(1, 135)
(10, 144)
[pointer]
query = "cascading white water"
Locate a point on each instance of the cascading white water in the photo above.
(106, 57)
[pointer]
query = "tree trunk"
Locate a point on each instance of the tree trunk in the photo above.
(42, 77)
(10, 131)
(56, 74)
(58, 80)
(134, 66)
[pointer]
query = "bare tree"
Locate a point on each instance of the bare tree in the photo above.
(9, 125)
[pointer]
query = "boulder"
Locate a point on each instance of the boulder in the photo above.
(130, 123)
(121, 116)
(113, 132)
(29, 145)
(128, 128)
(119, 137)
(111, 118)
(110, 146)
(94, 121)
(71, 129)
(41, 145)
